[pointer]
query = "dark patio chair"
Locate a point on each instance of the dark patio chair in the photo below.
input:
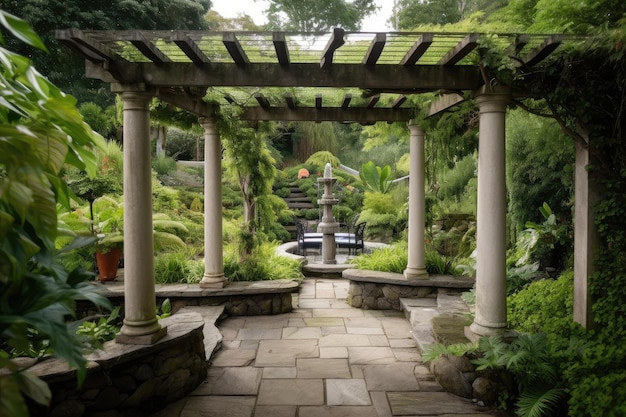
(359, 233)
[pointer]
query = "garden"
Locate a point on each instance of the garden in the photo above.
(62, 202)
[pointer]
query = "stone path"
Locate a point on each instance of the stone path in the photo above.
(323, 359)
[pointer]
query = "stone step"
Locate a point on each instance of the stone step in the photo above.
(298, 205)
(441, 319)
(296, 199)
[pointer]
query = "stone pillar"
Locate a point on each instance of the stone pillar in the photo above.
(140, 323)
(416, 266)
(213, 245)
(585, 235)
(490, 318)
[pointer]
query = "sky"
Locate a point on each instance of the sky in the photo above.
(231, 8)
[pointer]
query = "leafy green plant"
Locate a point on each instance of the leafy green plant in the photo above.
(538, 241)
(392, 258)
(535, 366)
(95, 333)
(41, 130)
(262, 264)
(433, 352)
(375, 178)
(180, 266)
(164, 310)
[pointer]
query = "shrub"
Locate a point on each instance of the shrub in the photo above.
(262, 264)
(163, 165)
(392, 258)
(178, 267)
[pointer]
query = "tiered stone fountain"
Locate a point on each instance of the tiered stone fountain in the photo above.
(328, 226)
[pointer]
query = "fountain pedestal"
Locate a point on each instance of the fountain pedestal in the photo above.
(328, 226)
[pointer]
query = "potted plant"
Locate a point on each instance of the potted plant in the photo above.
(108, 226)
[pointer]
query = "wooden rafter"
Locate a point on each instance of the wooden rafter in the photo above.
(443, 103)
(262, 100)
(373, 101)
(333, 114)
(318, 101)
(346, 101)
(375, 49)
(398, 102)
(189, 47)
(335, 41)
(541, 52)
(461, 50)
(280, 45)
(291, 102)
(147, 48)
(234, 49)
(417, 50)
(90, 49)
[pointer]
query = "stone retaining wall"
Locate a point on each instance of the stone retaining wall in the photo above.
(373, 290)
(130, 380)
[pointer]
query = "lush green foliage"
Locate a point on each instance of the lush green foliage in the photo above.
(95, 333)
(178, 267)
(262, 264)
(41, 130)
(375, 178)
(539, 169)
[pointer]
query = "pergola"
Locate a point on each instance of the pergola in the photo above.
(375, 72)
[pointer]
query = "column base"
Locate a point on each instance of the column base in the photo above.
(495, 329)
(137, 333)
(212, 281)
(415, 273)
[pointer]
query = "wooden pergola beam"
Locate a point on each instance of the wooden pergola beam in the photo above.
(541, 52)
(346, 101)
(280, 46)
(373, 101)
(443, 103)
(234, 48)
(331, 114)
(381, 78)
(91, 50)
(335, 41)
(147, 48)
(398, 102)
(375, 49)
(318, 101)
(417, 50)
(291, 102)
(262, 100)
(189, 47)
(461, 50)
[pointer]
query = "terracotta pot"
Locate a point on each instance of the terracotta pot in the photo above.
(107, 264)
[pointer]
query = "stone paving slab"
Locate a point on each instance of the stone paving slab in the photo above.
(233, 357)
(291, 392)
(347, 392)
(343, 411)
(231, 381)
(370, 355)
(322, 368)
(429, 403)
(275, 411)
(285, 352)
(219, 406)
(391, 377)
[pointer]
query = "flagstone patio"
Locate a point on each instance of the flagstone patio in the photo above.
(322, 359)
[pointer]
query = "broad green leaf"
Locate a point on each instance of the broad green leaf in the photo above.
(11, 401)
(34, 388)
(21, 30)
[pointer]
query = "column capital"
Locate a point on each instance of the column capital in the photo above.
(207, 122)
(415, 128)
(493, 99)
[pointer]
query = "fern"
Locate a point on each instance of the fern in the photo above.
(436, 350)
(539, 403)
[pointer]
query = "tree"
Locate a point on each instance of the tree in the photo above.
(242, 22)
(413, 13)
(41, 131)
(317, 15)
(65, 68)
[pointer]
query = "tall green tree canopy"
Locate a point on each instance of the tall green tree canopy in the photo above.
(65, 68)
(317, 15)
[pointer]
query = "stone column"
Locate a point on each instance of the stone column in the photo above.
(585, 235)
(416, 267)
(140, 323)
(213, 250)
(490, 318)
